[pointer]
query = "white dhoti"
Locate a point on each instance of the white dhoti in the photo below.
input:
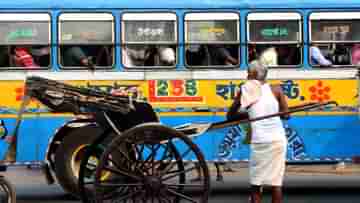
(267, 163)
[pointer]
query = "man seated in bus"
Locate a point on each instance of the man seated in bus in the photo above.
(75, 56)
(219, 55)
(41, 55)
(252, 52)
(355, 55)
(23, 57)
(209, 55)
(317, 58)
(4, 56)
(148, 56)
(195, 55)
(269, 56)
(159, 56)
(136, 55)
(167, 56)
(288, 55)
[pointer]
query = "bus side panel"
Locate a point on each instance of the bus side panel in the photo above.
(49, 127)
(206, 141)
(33, 136)
(310, 138)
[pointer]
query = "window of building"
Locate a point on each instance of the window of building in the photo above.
(149, 40)
(212, 40)
(86, 40)
(24, 40)
(274, 39)
(334, 39)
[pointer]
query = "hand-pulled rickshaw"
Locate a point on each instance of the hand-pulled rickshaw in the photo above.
(136, 158)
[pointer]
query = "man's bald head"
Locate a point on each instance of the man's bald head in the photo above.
(257, 71)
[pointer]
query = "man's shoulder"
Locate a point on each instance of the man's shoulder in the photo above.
(314, 49)
(276, 87)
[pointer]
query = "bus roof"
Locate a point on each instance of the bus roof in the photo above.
(175, 4)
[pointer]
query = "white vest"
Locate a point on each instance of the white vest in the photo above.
(270, 129)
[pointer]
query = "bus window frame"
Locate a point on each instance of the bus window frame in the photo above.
(329, 16)
(299, 43)
(212, 18)
(49, 44)
(124, 43)
(59, 44)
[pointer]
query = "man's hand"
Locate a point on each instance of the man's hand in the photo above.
(88, 62)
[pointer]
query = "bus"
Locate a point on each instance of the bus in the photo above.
(187, 59)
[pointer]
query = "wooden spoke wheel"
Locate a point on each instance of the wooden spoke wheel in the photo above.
(147, 164)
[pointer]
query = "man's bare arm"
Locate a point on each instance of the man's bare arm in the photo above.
(283, 106)
(233, 113)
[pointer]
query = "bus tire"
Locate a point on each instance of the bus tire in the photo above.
(68, 157)
(8, 189)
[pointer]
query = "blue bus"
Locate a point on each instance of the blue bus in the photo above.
(187, 58)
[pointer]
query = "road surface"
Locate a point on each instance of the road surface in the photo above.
(300, 187)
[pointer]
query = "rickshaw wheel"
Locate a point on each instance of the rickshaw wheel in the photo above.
(7, 191)
(156, 173)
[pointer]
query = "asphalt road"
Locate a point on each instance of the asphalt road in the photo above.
(31, 188)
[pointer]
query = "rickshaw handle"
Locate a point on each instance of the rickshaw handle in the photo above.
(293, 109)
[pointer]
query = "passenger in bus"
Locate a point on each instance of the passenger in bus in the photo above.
(252, 52)
(149, 56)
(219, 55)
(317, 58)
(355, 55)
(23, 57)
(4, 56)
(268, 142)
(209, 55)
(195, 55)
(160, 56)
(269, 56)
(167, 56)
(288, 55)
(135, 55)
(75, 56)
(41, 55)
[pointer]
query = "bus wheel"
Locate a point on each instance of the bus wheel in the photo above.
(69, 154)
(7, 191)
(89, 163)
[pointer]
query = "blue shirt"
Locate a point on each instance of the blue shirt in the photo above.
(317, 58)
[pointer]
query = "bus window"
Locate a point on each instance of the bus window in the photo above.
(212, 39)
(149, 40)
(86, 40)
(335, 39)
(274, 39)
(24, 40)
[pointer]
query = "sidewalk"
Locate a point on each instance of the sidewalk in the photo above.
(241, 169)
(334, 169)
